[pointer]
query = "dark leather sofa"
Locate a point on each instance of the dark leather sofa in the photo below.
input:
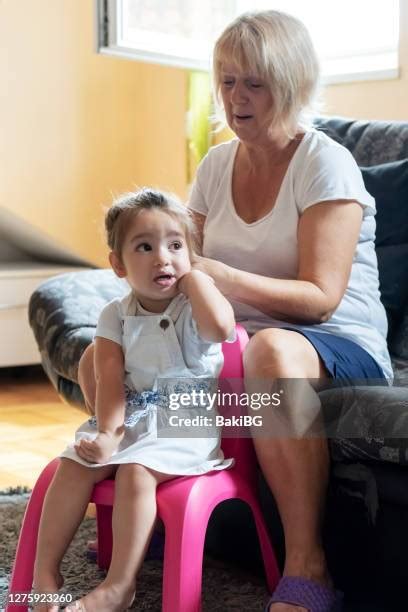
(366, 531)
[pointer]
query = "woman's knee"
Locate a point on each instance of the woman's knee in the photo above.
(268, 350)
(282, 353)
(86, 377)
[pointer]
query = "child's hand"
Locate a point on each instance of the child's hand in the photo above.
(99, 450)
(212, 313)
(186, 281)
(221, 274)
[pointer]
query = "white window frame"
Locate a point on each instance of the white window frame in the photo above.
(371, 67)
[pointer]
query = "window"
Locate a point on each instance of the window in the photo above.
(356, 40)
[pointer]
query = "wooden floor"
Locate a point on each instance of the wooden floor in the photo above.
(35, 425)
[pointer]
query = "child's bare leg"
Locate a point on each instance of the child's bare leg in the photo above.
(86, 377)
(134, 516)
(64, 507)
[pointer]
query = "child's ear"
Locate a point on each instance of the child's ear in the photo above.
(117, 264)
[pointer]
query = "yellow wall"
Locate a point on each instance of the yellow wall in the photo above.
(76, 126)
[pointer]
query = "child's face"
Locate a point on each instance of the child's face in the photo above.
(155, 256)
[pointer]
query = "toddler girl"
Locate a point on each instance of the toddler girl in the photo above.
(170, 326)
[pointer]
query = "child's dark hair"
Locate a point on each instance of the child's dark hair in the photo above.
(131, 204)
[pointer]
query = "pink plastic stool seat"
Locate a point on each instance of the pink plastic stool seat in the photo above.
(184, 504)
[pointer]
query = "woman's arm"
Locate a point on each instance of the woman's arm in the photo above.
(211, 310)
(327, 237)
(110, 402)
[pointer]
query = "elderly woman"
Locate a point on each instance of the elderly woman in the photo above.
(287, 231)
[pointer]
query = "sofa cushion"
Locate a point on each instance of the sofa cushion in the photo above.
(393, 273)
(399, 348)
(388, 184)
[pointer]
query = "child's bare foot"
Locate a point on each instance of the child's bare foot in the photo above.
(101, 449)
(105, 598)
(44, 585)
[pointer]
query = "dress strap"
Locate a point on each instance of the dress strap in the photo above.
(175, 307)
(172, 311)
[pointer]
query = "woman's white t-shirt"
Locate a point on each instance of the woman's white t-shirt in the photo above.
(320, 170)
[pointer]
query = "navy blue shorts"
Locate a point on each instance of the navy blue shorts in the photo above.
(344, 359)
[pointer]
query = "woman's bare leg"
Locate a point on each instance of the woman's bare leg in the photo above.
(64, 508)
(133, 520)
(296, 469)
(86, 377)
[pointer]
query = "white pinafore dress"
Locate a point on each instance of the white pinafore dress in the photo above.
(152, 353)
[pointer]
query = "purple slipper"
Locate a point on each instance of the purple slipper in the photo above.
(309, 594)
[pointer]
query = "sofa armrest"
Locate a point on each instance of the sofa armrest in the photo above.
(63, 314)
(367, 423)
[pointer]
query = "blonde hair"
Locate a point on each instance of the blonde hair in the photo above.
(276, 47)
(129, 205)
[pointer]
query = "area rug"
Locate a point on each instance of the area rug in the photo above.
(225, 588)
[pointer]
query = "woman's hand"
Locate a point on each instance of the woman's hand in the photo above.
(221, 274)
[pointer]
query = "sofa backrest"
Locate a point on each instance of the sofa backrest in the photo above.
(370, 142)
